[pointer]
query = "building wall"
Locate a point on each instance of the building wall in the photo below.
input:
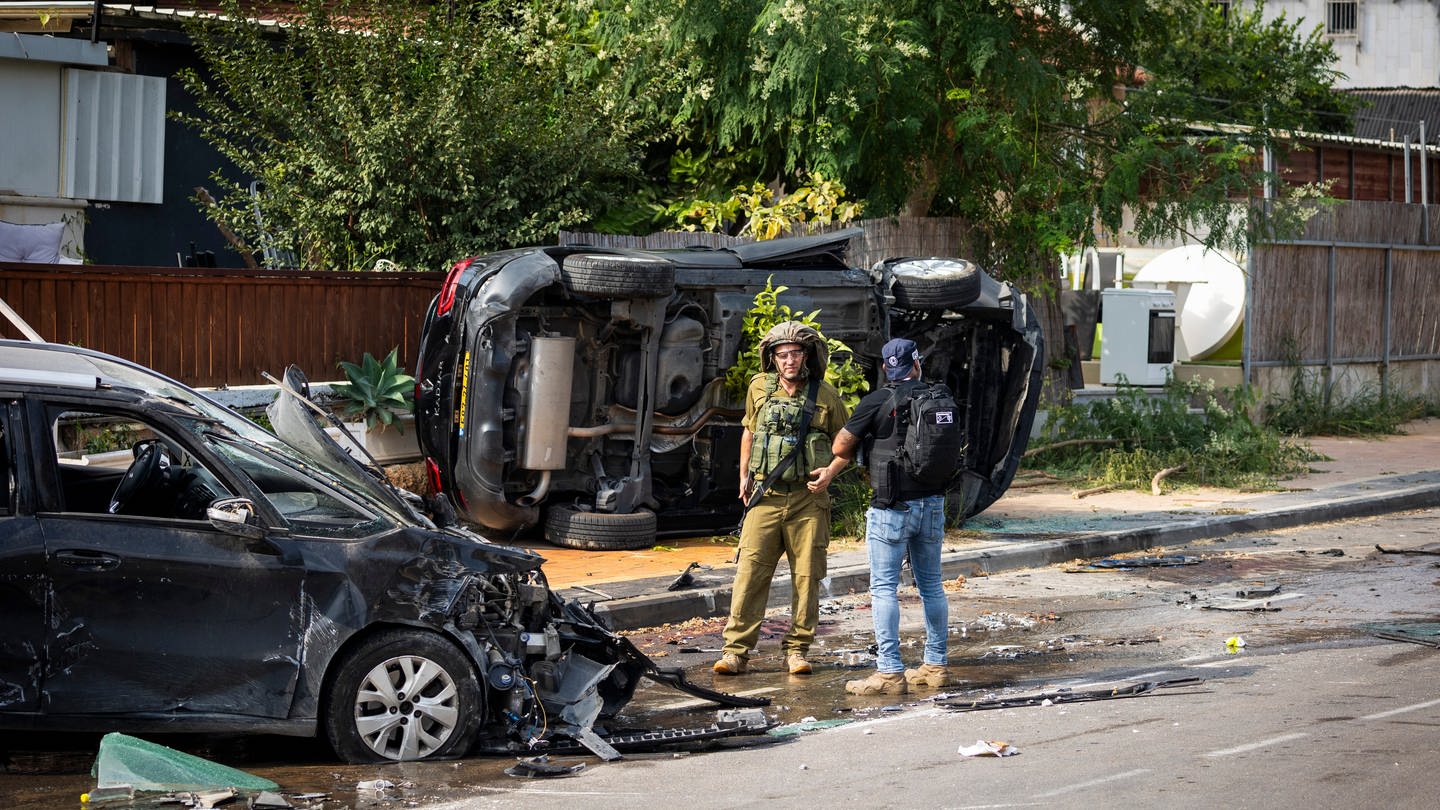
(1396, 44)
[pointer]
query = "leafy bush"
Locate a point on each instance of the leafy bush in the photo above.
(441, 130)
(1315, 409)
(1124, 441)
(843, 372)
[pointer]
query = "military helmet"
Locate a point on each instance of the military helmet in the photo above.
(817, 351)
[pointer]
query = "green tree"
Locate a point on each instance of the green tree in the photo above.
(406, 130)
(1041, 122)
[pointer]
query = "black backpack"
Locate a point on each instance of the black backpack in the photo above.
(934, 439)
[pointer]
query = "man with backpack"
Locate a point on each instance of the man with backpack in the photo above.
(913, 444)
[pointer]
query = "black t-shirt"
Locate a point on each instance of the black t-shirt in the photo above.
(872, 421)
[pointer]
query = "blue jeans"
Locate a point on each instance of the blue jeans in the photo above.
(916, 527)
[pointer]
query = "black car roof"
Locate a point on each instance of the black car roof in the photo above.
(44, 364)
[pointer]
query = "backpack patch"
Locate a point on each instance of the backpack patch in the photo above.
(934, 440)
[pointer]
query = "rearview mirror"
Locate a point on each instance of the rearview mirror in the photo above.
(233, 516)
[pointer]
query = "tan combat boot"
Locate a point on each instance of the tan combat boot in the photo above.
(933, 676)
(797, 664)
(881, 683)
(732, 664)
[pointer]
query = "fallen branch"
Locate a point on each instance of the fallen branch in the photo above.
(1085, 493)
(246, 254)
(1035, 451)
(1161, 476)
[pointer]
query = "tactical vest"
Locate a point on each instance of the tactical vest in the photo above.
(776, 432)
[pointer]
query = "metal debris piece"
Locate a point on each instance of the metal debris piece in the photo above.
(1258, 593)
(541, 768)
(1383, 550)
(1427, 633)
(1068, 696)
(267, 800)
(1126, 564)
(1251, 605)
(686, 578)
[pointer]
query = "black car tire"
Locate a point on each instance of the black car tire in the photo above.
(450, 722)
(931, 285)
(615, 276)
(599, 531)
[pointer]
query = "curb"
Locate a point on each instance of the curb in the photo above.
(666, 607)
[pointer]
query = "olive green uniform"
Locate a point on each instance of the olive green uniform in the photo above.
(789, 519)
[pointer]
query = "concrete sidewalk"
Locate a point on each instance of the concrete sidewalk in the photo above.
(1031, 527)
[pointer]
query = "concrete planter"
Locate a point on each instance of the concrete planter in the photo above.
(388, 445)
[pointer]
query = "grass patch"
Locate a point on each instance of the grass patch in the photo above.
(1124, 441)
(1315, 408)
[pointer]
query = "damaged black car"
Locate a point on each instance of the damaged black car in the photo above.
(581, 391)
(168, 565)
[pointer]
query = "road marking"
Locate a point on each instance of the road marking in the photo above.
(1403, 709)
(685, 704)
(1240, 749)
(1092, 783)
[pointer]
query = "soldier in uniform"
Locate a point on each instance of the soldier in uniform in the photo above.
(793, 515)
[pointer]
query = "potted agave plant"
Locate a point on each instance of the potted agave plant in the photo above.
(379, 396)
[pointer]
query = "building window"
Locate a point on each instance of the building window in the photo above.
(1342, 18)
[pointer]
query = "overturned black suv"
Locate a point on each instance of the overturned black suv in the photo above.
(168, 565)
(581, 389)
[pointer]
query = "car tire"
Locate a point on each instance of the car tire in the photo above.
(363, 726)
(933, 285)
(599, 531)
(617, 276)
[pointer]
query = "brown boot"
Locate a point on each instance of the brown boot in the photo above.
(796, 663)
(881, 683)
(732, 664)
(933, 676)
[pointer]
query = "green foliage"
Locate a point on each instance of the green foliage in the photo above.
(850, 495)
(1041, 122)
(843, 372)
(766, 214)
(378, 391)
(1125, 440)
(108, 438)
(438, 131)
(1315, 409)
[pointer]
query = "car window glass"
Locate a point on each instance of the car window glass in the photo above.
(94, 452)
(305, 503)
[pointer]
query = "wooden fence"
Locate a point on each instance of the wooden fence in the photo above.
(215, 327)
(1355, 299)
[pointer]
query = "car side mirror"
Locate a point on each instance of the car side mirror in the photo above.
(234, 516)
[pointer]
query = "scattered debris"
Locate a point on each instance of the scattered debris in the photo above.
(686, 578)
(1125, 564)
(144, 766)
(808, 724)
(541, 768)
(1233, 645)
(267, 800)
(1430, 551)
(1258, 593)
(1427, 633)
(207, 800)
(1251, 605)
(374, 786)
(593, 591)
(1069, 696)
(114, 793)
(989, 748)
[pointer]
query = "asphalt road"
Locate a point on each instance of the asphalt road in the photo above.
(1312, 711)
